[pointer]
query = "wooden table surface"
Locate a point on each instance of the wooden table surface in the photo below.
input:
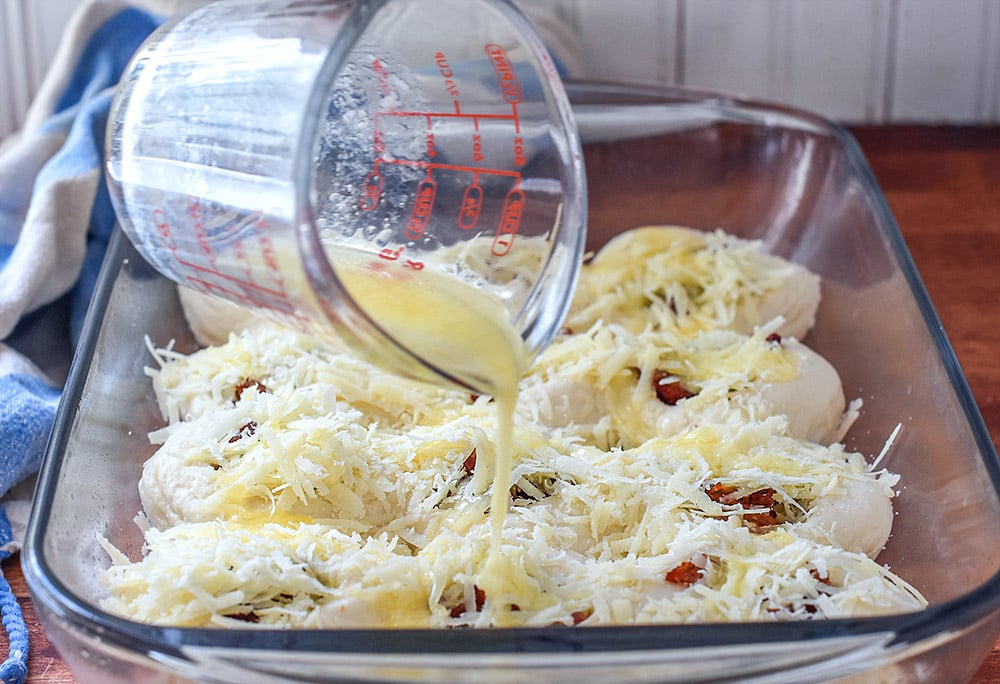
(943, 185)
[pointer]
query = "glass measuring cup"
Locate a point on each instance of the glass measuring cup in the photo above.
(268, 152)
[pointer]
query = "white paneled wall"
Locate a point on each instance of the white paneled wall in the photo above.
(825, 55)
(30, 31)
(15, 72)
(625, 39)
(957, 49)
(853, 60)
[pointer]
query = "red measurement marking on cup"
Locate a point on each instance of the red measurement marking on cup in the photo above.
(281, 310)
(423, 205)
(389, 254)
(519, 151)
(477, 147)
(431, 150)
(163, 228)
(432, 166)
(473, 197)
(431, 116)
(382, 76)
(200, 233)
(510, 222)
(240, 255)
(238, 295)
(246, 284)
(207, 277)
(448, 74)
(510, 86)
(372, 191)
(269, 254)
(472, 204)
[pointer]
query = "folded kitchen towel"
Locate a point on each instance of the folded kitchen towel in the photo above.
(14, 669)
(55, 222)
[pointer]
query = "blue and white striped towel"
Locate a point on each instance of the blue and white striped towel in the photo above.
(55, 222)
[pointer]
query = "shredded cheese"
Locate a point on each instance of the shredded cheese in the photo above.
(655, 477)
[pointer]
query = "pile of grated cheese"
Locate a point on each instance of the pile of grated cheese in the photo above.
(677, 459)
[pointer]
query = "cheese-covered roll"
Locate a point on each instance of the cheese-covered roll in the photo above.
(682, 279)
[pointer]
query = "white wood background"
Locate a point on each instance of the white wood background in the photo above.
(852, 60)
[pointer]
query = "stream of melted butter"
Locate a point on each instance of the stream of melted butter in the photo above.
(460, 329)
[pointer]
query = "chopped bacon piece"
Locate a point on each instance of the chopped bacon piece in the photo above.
(774, 337)
(459, 609)
(823, 579)
(246, 384)
(581, 615)
(669, 391)
(719, 492)
(761, 498)
(250, 617)
(687, 573)
(246, 430)
(469, 464)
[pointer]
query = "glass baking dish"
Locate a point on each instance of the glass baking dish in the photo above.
(653, 156)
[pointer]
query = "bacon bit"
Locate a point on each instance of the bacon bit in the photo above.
(824, 582)
(687, 573)
(719, 492)
(459, 610)
(669, 392)
(246, 430)
(251, 617)
(823, 579)
(473, 397)
(518, 493)
(761, 498)
(469, 464)
(809, 605)
(581, 615)
(246, 384)
(773, 337)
